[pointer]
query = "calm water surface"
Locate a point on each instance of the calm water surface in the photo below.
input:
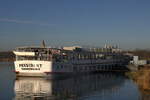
(85, 87)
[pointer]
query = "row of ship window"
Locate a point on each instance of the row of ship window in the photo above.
(86, 67)
(83, 57)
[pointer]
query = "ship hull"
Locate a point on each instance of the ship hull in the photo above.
(32, 68)
(41, 68)
(47, 68)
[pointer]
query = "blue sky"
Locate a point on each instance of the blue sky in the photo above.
(75, 22)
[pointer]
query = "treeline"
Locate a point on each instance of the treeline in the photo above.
(7, 56)
(143, 54)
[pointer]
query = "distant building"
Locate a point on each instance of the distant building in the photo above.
(112, 48)
(138, 62)
(71, 48)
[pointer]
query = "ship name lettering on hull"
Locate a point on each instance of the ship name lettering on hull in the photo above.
(30, 66)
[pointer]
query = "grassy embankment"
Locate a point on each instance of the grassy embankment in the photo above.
(141, 78)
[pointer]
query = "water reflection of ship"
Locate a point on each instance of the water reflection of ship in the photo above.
(32, 88)
(70, 88)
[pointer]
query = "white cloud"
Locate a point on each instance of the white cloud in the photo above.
(23, 22)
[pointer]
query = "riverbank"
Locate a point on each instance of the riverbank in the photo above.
(141, 78)
(7, 56)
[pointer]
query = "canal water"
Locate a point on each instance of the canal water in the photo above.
(100, 86)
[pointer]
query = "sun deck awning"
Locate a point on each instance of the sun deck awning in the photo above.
(24, 53)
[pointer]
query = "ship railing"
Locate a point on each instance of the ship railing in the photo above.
(41, 58)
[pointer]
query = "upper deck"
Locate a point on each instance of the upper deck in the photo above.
(33, 53)
(62, 55)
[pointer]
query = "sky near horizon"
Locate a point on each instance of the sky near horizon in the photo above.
(75, 22)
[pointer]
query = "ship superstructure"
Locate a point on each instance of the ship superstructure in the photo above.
(39, 61)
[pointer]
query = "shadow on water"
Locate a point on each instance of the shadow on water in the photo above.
(30, 88)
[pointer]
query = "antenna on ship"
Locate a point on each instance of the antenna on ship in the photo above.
(43, 44)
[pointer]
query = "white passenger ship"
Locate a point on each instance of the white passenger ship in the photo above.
(41, 61)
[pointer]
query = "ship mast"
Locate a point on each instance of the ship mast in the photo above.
(43, 44)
